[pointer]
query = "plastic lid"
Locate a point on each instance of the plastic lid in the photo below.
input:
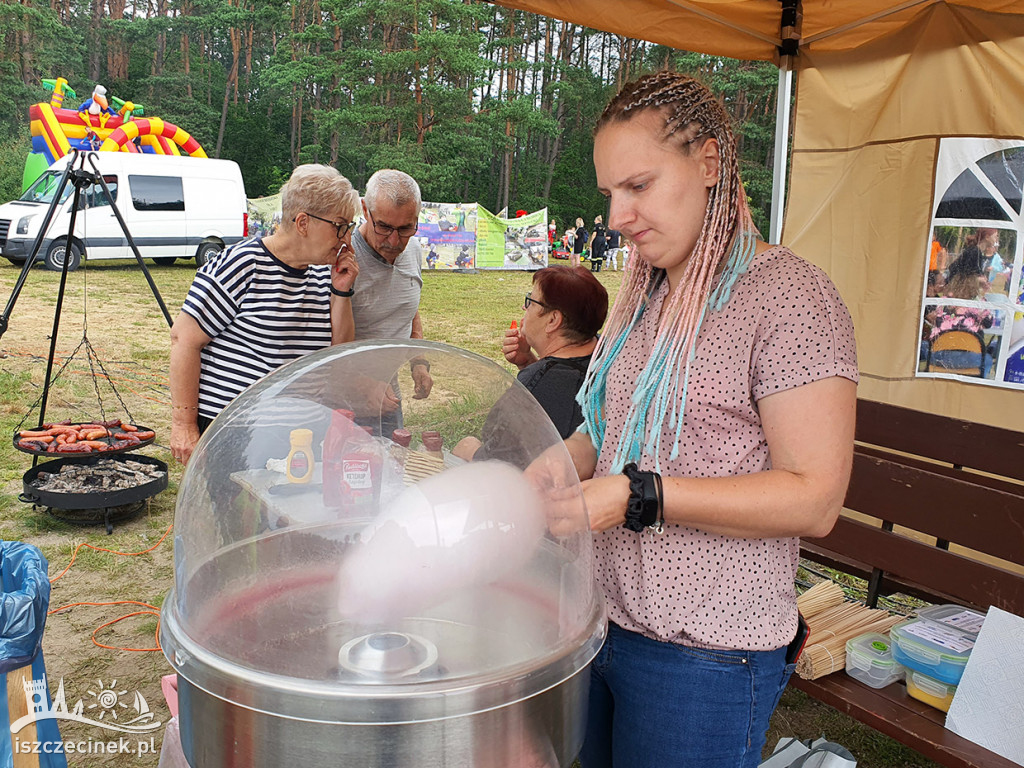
(941, 640)
(956, 616)
(875, 647)
(930, 685)
(443, 593)
(301, 436)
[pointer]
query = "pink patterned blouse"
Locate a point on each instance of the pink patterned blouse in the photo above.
(784, 326)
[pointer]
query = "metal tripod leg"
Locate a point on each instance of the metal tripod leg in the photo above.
(80, 178)
(31, 259)
(131, 241)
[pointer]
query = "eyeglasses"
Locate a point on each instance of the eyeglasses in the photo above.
(530, 300)
(343, 229)
(385, 230)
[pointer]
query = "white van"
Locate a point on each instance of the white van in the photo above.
(174, 207)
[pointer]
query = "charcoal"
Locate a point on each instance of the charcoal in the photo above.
(104, 475)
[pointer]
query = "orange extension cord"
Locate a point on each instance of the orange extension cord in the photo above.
(152, 609)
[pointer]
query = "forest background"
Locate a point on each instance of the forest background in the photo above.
(478, 102)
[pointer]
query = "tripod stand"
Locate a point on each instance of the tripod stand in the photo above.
(81, 178)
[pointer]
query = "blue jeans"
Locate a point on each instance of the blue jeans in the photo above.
(961, 359)
(661, 705)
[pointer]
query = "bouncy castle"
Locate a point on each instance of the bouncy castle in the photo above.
(97, 124)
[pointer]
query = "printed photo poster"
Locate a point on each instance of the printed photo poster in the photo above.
(972, 315)
(520, 243)
(447, 235)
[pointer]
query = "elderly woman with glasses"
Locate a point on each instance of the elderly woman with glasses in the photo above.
(263, 302)
(552, 346)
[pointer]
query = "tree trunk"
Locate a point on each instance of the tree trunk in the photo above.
(95, 41)
(231, 81)
(186, 66)
(117, 48)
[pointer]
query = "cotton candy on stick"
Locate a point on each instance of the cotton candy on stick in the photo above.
(465, 527)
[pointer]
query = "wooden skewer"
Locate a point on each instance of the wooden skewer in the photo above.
(820, 597)
(831, 628)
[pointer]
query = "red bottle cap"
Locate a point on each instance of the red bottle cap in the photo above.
(402, 436)
(431, 441)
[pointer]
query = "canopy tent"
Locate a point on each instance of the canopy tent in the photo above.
(750, 29)
(879, 84)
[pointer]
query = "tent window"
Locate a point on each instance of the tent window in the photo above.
(972, 311)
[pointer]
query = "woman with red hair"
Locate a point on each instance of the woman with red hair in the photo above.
(551, 347)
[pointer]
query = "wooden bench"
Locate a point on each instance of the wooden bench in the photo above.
(937, 487)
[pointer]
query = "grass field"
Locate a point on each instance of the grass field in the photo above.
(110, 305)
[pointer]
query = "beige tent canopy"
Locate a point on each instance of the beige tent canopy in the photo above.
(750, 29)
(879, 84)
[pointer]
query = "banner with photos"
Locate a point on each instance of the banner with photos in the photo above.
(447, 235)
(520, 243)
(467, 236)
(972, 316)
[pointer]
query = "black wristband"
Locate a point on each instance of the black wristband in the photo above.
(644, 507)
(346, 294)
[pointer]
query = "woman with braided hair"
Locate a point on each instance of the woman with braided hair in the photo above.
(718, 428)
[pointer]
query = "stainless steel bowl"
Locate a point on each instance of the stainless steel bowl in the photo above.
(487, 678)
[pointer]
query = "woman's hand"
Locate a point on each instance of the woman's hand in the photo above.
(183, 440)
(516, 349)
(345, 269)
(606, 499)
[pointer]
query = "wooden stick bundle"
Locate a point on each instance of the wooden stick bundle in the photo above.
(820, 597)
(825, 651)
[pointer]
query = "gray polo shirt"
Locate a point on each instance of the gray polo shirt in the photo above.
(386, 295)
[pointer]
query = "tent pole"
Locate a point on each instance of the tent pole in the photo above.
(782, 125)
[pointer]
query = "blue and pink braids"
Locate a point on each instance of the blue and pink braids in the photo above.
(723, 252)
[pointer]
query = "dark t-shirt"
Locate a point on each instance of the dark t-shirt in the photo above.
(581, 240)
(600, 243)
(553, 382)
(613, 238)
(971, 262)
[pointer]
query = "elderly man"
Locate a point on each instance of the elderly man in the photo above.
(264, 302)
(386, 301)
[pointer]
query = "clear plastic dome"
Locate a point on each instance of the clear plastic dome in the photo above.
(331, 568)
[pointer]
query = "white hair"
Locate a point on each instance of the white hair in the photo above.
(396, 187)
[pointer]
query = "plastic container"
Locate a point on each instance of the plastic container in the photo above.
(342, 426)
(300, 457)
(935, 649)
(966, 620)
(932, 692)
(433, 444)
(869, 659)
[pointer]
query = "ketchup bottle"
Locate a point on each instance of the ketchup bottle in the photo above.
(342, 427)
(361, 465)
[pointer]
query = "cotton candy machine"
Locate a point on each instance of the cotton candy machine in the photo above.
(351, 595)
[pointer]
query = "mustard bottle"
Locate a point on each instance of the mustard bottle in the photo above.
(300, 458)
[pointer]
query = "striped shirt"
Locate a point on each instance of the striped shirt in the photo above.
(260, 314)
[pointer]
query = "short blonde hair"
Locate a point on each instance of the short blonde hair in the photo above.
(319, 190)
